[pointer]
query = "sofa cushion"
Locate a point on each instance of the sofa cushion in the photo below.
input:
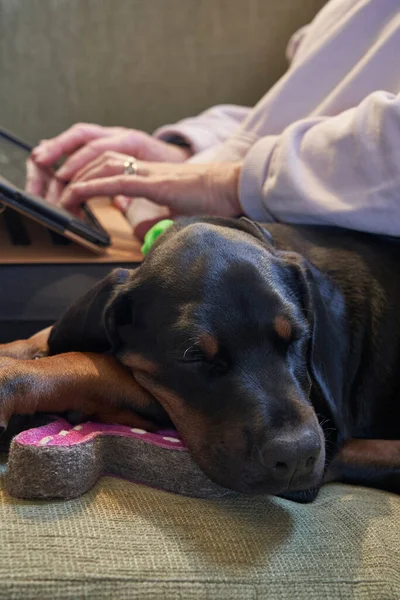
(123, 540)
(137, 63)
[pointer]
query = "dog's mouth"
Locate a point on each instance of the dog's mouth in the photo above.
(252, 479)
(276, 489)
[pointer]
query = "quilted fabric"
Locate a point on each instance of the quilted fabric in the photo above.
(127, 541)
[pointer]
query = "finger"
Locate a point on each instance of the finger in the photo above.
(109, 163)
(122, 203)
(50, 151)
(142, 214)
(76, 193)
(118, 143)
(54, 191)
(183, 188)
(36, 179)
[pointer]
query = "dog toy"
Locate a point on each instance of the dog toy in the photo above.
(154, 233)
(60, 460)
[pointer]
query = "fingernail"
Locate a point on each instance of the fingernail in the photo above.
(65, 202)
(121, 203)
(40, 154)
(61, 172)
(40, 147)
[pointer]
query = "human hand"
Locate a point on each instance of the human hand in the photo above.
(84, 142)
(184, 188)
(141, 213)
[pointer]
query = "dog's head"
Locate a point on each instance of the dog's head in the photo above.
(227, 334)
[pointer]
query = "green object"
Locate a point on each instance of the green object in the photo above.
(154, 233)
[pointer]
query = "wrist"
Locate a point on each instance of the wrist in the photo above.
(182, 143)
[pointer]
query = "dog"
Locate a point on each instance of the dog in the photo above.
(274, 351)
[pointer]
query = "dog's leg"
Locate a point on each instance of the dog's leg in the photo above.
(91, 383)
(34, 347)
(371, 463)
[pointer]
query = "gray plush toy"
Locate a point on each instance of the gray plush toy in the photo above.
(60, 460)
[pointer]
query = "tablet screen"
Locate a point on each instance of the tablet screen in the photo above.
(80, 222)
(13, 155)
(12, 162)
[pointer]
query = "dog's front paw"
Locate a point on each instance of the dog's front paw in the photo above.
(15, 382)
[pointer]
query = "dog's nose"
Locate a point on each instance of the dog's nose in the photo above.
(294, 456)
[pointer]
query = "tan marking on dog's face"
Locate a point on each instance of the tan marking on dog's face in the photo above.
(139, 362)
(208, 344)
(283, 328)
(190, 422)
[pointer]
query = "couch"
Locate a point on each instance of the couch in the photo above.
(142, 63)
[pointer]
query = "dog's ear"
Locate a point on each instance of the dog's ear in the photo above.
(330, 342)
(87, 325)
(325, 309)
(256, 230)
(122, 313)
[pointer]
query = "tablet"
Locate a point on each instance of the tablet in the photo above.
(82, 228)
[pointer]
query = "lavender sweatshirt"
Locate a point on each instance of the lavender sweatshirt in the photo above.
(323, 145)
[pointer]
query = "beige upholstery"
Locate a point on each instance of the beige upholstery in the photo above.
(126, 541)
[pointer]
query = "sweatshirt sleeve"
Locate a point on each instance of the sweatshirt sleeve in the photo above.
(342, 170)
(208, 129)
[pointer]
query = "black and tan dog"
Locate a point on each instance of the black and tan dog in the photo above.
(275, 353)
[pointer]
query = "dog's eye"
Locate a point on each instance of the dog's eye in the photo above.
(217, 365)
(193, 353)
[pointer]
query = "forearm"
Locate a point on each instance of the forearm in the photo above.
(208, 129)
(93, 384)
